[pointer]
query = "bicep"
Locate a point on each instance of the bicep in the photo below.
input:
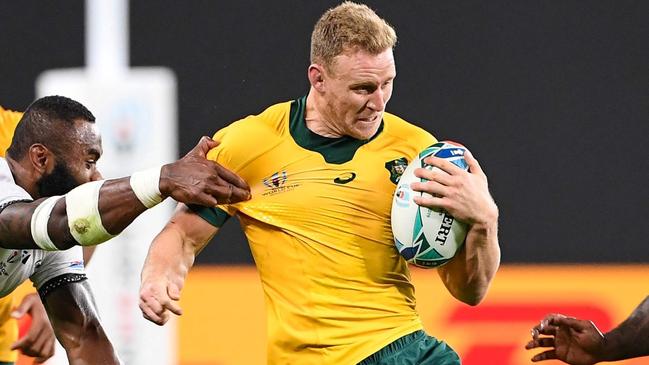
(16, 224)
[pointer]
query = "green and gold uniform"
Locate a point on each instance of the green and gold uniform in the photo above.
(8, 327)
(318, 224)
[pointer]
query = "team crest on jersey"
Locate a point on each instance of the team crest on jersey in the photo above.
(277, 183)
(396, 168)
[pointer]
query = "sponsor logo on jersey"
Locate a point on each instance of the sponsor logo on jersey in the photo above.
(396, 168)
(25, 255)
(278, 183)
(345, 178)
(13, 258)
(78, 264)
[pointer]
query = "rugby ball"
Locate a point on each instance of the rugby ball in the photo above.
(426, 237)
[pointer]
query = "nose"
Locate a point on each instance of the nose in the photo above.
(377, 100)
(96, 176)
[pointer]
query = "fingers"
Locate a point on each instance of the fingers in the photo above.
(543, 328)
(540, 342)
(474, 166)
(434, 175)
(156, 307)
(574, 323)
(232, 178)
(22, 308)
(546, 355)
(153, 312)
(37, 345)
(443, 164)
(47, 352)
(232, 189)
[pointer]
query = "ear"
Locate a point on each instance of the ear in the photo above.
(40, 157)
(316, 77)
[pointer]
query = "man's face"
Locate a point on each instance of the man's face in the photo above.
(357, 89)
(77, 164)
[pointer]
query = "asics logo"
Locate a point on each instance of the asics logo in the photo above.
(345, 178)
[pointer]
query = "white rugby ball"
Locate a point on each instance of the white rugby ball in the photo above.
(426, 237)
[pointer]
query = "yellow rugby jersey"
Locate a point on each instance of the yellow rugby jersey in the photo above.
(8, 328)
(8, 121)
(318, 225)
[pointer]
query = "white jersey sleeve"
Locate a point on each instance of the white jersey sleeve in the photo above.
(9, 191)
(57, 263)
(40, 266)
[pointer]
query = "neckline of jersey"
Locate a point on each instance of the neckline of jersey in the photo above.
(333, 150)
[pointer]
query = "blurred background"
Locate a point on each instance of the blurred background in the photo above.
(551, 97)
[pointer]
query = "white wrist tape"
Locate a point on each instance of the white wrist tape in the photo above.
(146, 186)
(40, 218)
(84, 220)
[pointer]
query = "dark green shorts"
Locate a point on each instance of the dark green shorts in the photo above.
(417, 348)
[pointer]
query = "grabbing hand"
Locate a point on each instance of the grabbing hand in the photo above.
(38, 342)
(195, 180)
(463, 194)
(571, 340)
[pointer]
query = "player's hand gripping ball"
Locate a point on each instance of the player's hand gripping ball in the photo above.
(426, 237)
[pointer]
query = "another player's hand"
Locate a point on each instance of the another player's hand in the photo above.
(464, 194)
(195, 180)
(159, 295)
(574, 341)
(38, 342)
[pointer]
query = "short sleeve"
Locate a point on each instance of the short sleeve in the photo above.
(9, 191)
(221, 154)
(57, 263)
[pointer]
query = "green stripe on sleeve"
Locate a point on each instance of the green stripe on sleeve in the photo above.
(214, 216)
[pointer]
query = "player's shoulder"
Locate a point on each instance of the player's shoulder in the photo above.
(258, 132)
(273, 119)
(8, 116)
(9, 190)
(401, 130)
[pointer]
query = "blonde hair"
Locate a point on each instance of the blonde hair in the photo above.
(349, 25)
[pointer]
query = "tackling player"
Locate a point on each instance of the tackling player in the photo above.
(323, 169)
(39, 340)
(55, 148)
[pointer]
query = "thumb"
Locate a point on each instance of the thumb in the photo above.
(173, 292)
(21, 310)
(205, 144)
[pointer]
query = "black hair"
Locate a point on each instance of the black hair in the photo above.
(48, 121)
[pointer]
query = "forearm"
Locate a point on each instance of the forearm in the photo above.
(169, 251)
(111, 208)
(631, 338)
(92, 348)
(469, 275)
(118, 206)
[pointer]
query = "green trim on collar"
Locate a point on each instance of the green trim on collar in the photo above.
(334, 150)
